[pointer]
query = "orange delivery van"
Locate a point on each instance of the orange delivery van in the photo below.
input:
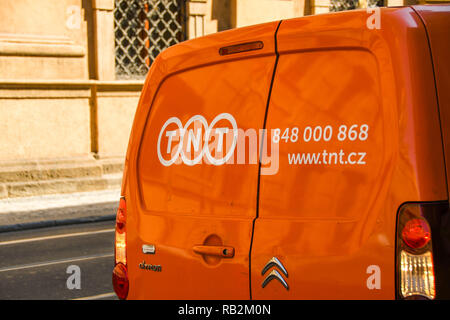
(298, 159)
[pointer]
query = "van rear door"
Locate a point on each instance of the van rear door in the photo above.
(353, 112)
(196, 206)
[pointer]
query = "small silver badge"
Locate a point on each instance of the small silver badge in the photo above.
(148, 249)
(274, 274)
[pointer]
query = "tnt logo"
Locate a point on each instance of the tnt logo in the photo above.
(220, 142)
(196, 140)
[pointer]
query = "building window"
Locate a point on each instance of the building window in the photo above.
(144, 28)
(341, 5)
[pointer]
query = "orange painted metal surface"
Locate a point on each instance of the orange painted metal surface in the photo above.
(178, 207)
(329, 223)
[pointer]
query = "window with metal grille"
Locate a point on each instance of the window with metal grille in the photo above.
(144, 28)
(341, 5)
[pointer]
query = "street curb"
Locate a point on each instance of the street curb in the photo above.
(55, 223)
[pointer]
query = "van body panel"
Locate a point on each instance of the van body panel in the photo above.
(437, 22)
(181, 208)
(331, 221)
(322, 227)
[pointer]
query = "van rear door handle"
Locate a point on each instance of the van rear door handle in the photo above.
(219, 251)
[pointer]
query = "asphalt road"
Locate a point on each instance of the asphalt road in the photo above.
(34, 263)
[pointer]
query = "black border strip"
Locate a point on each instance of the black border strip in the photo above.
(436, 93)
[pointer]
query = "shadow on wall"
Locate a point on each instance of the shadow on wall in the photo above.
(221, 11)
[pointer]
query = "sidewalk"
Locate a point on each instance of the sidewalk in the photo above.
(60, 209)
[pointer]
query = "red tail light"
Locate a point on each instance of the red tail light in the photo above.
(120, 274)
(121, 244)
(120, 281)
(121, 217)
(416, 233)
(415, 267)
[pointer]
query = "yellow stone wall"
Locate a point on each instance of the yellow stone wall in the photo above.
(116, 105)
(58, 94)
(43, 39)
(249, 12)
(38, 123)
